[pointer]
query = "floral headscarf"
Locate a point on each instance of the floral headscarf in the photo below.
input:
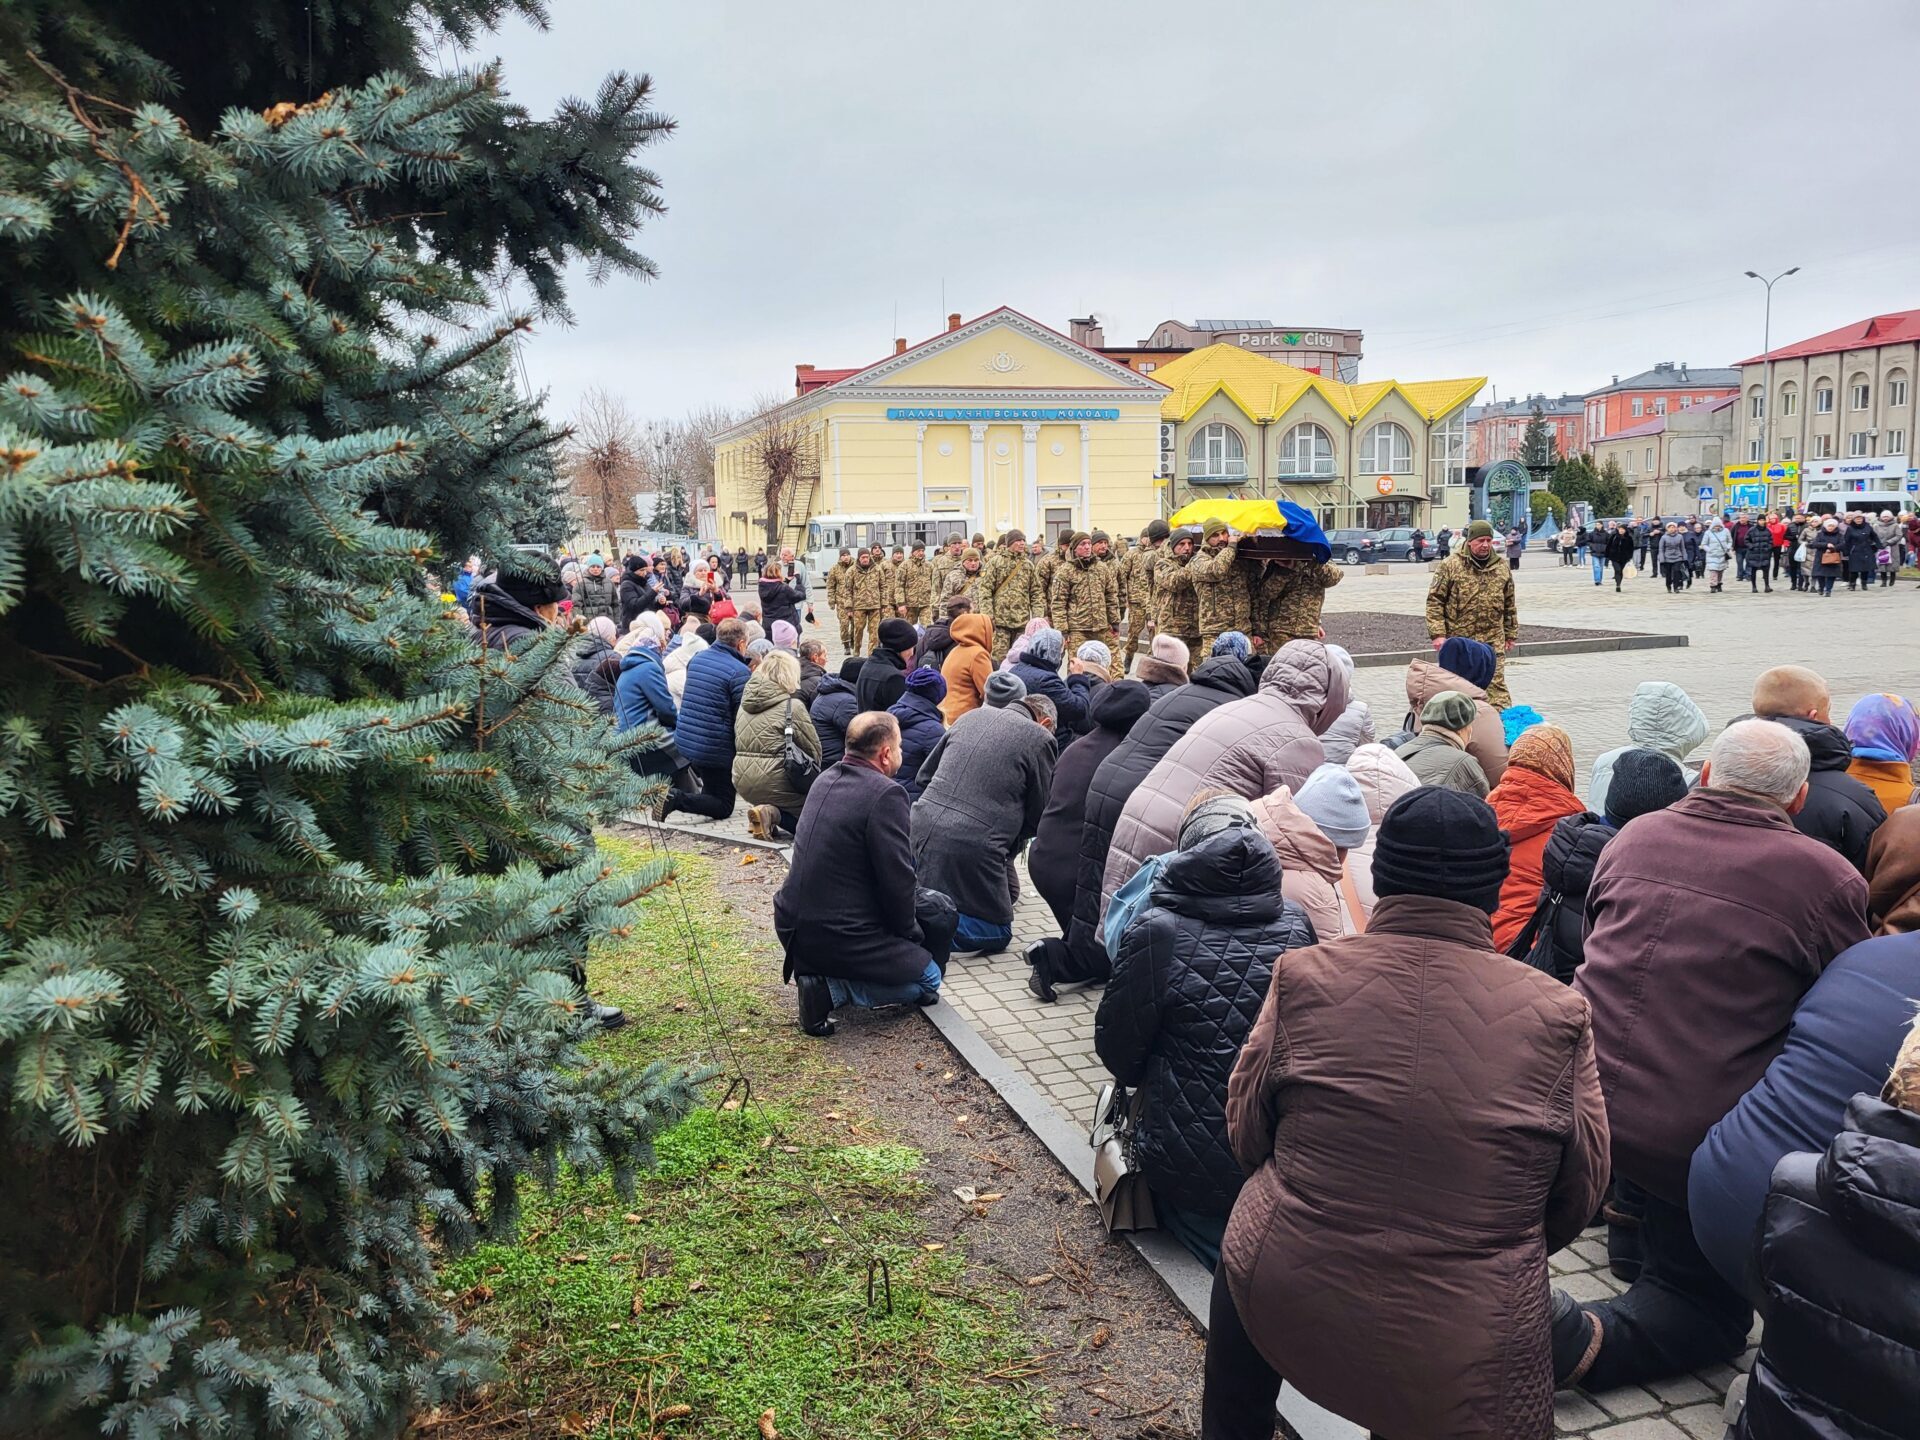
(1884, 727)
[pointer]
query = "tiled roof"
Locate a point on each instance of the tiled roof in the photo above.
(1656, 426)
(1898, 328)
(1523, 406)
(1672, 377)
(1266, 389)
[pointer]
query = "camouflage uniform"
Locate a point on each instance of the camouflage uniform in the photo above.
(961, 581)
(1291, 597)
(916, 590)
(1476, 601)
(1226, 599)
(1177, 602)
(1010, 596)
(1136, 591)
(867, 591)
(890, 579)
(839, 597)
(1085, 602)
(1046, 567)
(942, 565)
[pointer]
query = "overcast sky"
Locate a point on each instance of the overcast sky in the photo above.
(1543, 193)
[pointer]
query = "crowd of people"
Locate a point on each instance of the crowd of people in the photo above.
(1812, 552)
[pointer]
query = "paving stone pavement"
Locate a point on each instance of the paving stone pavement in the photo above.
(1860, 642)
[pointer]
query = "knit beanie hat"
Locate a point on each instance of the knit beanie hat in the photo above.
(1438, 842)
(1100, 537)
(1643, 781)
(1045, 647)
(532, 591)
(1172, 649)
(1004, 687)
(898, 635)
(1156, 530)
(1234, 643)
(1211, 816)
(1480, 530)
(1471, 660)
(1331, 798)
(1096, 654)
(785, 637)
(1546, 750)
(1213, 525)
(927, 682)
(1450, 710)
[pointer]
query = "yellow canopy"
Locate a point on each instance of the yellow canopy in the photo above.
(1242, 516)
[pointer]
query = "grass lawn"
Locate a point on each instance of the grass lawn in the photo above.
(734, 1283)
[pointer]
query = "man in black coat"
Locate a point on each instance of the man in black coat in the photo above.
(1053, 860)
(847, 915)
(1220, 678)
(1840, 811)
(883, 678)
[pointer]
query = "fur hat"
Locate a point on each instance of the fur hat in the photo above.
(1438, 842)
(1450, 710)
(1172, 649)
(1003, 688)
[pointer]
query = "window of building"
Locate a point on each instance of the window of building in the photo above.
(1789, 399)
(1756, 404)
(1701, 399)
(1823, 447)
(1639, 406)
(1147, 367)
(1216, 453)
(1859, 443)
(1659, 404)
(1686, 402)
(1647, 463)
(1823, 400)
(1858, 394)
(1896, 390)
(1786, 447)
(1447, 452)
(1896, 442)
(1753, 449)
(1387, 450)
(1307, 450)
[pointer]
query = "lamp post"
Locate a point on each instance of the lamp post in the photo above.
(1766, 359)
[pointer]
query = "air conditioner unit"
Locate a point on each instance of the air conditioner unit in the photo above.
(1165, 471)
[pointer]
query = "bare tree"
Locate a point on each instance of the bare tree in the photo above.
(605, 464)
(783, 450)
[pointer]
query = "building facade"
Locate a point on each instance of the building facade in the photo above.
(1669, 386)
(1669, 460)
(1000, 422)
(1315, 349)
(1843, 410)
(1495, 430)
(1238, 425)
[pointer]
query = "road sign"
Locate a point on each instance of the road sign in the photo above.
(1706, 492)
(1913, 485)
(1913, 474)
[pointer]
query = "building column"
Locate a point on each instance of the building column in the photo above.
(920, 465)
(977, 453)
(1086, 469)
(1030, 520)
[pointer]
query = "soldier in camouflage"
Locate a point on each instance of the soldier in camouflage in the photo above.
(1009, 592)
(1085, 602)
(1047, 566)
(964, 578)
(915, 579)
(1226, 598)
(1136, 582)
(1176, 601)
(867, 594)
(1471, 595)
(946, 562)
(890, 575)
(1289, 601)
(841, 599)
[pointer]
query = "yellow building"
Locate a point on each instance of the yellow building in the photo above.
(1380, 454)
(1000, 421)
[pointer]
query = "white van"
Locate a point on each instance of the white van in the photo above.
(828, 535)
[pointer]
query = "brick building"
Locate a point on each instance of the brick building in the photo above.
(1667, 387)
(1494, 431)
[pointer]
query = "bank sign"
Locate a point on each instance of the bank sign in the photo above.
(996, 412)
(1779, 472)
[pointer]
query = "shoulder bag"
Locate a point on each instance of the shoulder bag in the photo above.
(800, 767)
(1125, 1201)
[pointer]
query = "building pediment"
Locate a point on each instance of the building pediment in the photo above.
(1000, 352)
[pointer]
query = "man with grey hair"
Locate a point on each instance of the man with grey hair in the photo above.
(1706, 923)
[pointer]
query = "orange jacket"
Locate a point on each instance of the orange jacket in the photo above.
(1529, 805)
(968, 665)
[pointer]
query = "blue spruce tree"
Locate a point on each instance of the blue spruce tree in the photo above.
(295, 877)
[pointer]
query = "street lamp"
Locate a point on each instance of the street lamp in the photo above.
(1766, 359)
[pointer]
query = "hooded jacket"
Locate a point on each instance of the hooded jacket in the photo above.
(833, 708)
(1383, 777)
(1070, 703)
(920, 730)
(1661, 716)
(1528, 805)
(1488, 741)
(1840, 811)
(1558, 944)
(501, 620)
(1421, 1125)
(1352, 729)
(982, 793)
(968, 666)
(716, 679)
(586, 672)
(1310, 863)
(676, 661)
(1840, 1257)
(1717, 546)
(759, 760)
(1220, 680)
(883, 679)
(1248, 746)
(1893, 874)
(1053, 860)
(1187, 985)
(1759, 546)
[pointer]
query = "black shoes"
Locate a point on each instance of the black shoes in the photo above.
(1039, 979)
(816, 1005)
(607, 1017)
(1576, 1340)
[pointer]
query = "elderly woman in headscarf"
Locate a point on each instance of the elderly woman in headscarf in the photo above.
(1533, 795)
(1884, 731)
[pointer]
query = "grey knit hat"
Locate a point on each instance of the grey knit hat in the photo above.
(1003, 688)
(1045, 646)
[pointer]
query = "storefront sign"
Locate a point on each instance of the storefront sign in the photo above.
(1286, 339)
(1779, 470)
(1841, 474)
(1750, 496)
(1384, 484)
(996, 412)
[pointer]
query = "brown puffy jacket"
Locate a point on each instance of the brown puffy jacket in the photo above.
(1422, 1122)
(1487, 741)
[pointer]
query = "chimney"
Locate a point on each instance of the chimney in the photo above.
(953, 321)
(801, 373)
(899, 344)
(1087, 331)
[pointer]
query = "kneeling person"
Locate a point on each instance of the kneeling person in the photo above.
(847, 915)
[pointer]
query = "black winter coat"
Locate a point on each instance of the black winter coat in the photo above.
(1840, 1258)
(636, 597)
(1187, 986)
(780, 601)
(1085, 687)
(1219, 679)
(833, 708)
(935, 644)
(1840, 811)
(1070, 705)
(1861, 546)
(500, 620)
(810, 678)
(586, 673)
(1053, 860)
(1557, 932)
(921, 727)
(1759, 546)
(883, 679)
(1621, 547)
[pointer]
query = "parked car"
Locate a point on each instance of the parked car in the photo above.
(1351, 547)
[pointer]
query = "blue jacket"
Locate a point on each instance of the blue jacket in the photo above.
(1843, 1039)
(641, 694)
(834, 705)
(1071, 704)
(921, 727)
(462, 583)
(716, 679)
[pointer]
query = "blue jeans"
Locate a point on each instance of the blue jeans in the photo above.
(1599, 567)
(856, 992)
(984, 935)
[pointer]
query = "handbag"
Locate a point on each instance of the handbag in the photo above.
(800, 767)
(1800, 553)
(1126, 1203)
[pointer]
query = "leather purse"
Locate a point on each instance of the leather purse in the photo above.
(1126, 1203)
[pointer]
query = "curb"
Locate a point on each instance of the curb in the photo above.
(1541, 649)
(640, 820)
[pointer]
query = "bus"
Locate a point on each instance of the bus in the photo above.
(828, 535)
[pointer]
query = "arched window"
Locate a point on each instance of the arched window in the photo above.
(1789, 399)
(1387, 450)
(1756, 403)
(1896, 389)
(1216, 453)
(1859, 393)
(1307, 450)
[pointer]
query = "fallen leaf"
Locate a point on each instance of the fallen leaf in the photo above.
(768, 1430)
(1100, 1337)
(695, 1285)
(919, 1064)
(639, 1303)
(749, 859)
(790, 1149)
(632, 1217)
(573, 1423)
(617, 1258)
(730, 1105)
(965, 1194)
(947, 1076)
(478, 1295)
(933, 1245)
(833, 1114)
(675, 1412)
(579, 1258)
(990, 1197)
(961, 1119)
(766, 1142)
(1033, 1280)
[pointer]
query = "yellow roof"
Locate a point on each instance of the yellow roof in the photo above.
(1266, 389)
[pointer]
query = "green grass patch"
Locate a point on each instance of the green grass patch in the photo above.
(735, 1280)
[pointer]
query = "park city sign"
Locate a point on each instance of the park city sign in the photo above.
(1289, 339)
